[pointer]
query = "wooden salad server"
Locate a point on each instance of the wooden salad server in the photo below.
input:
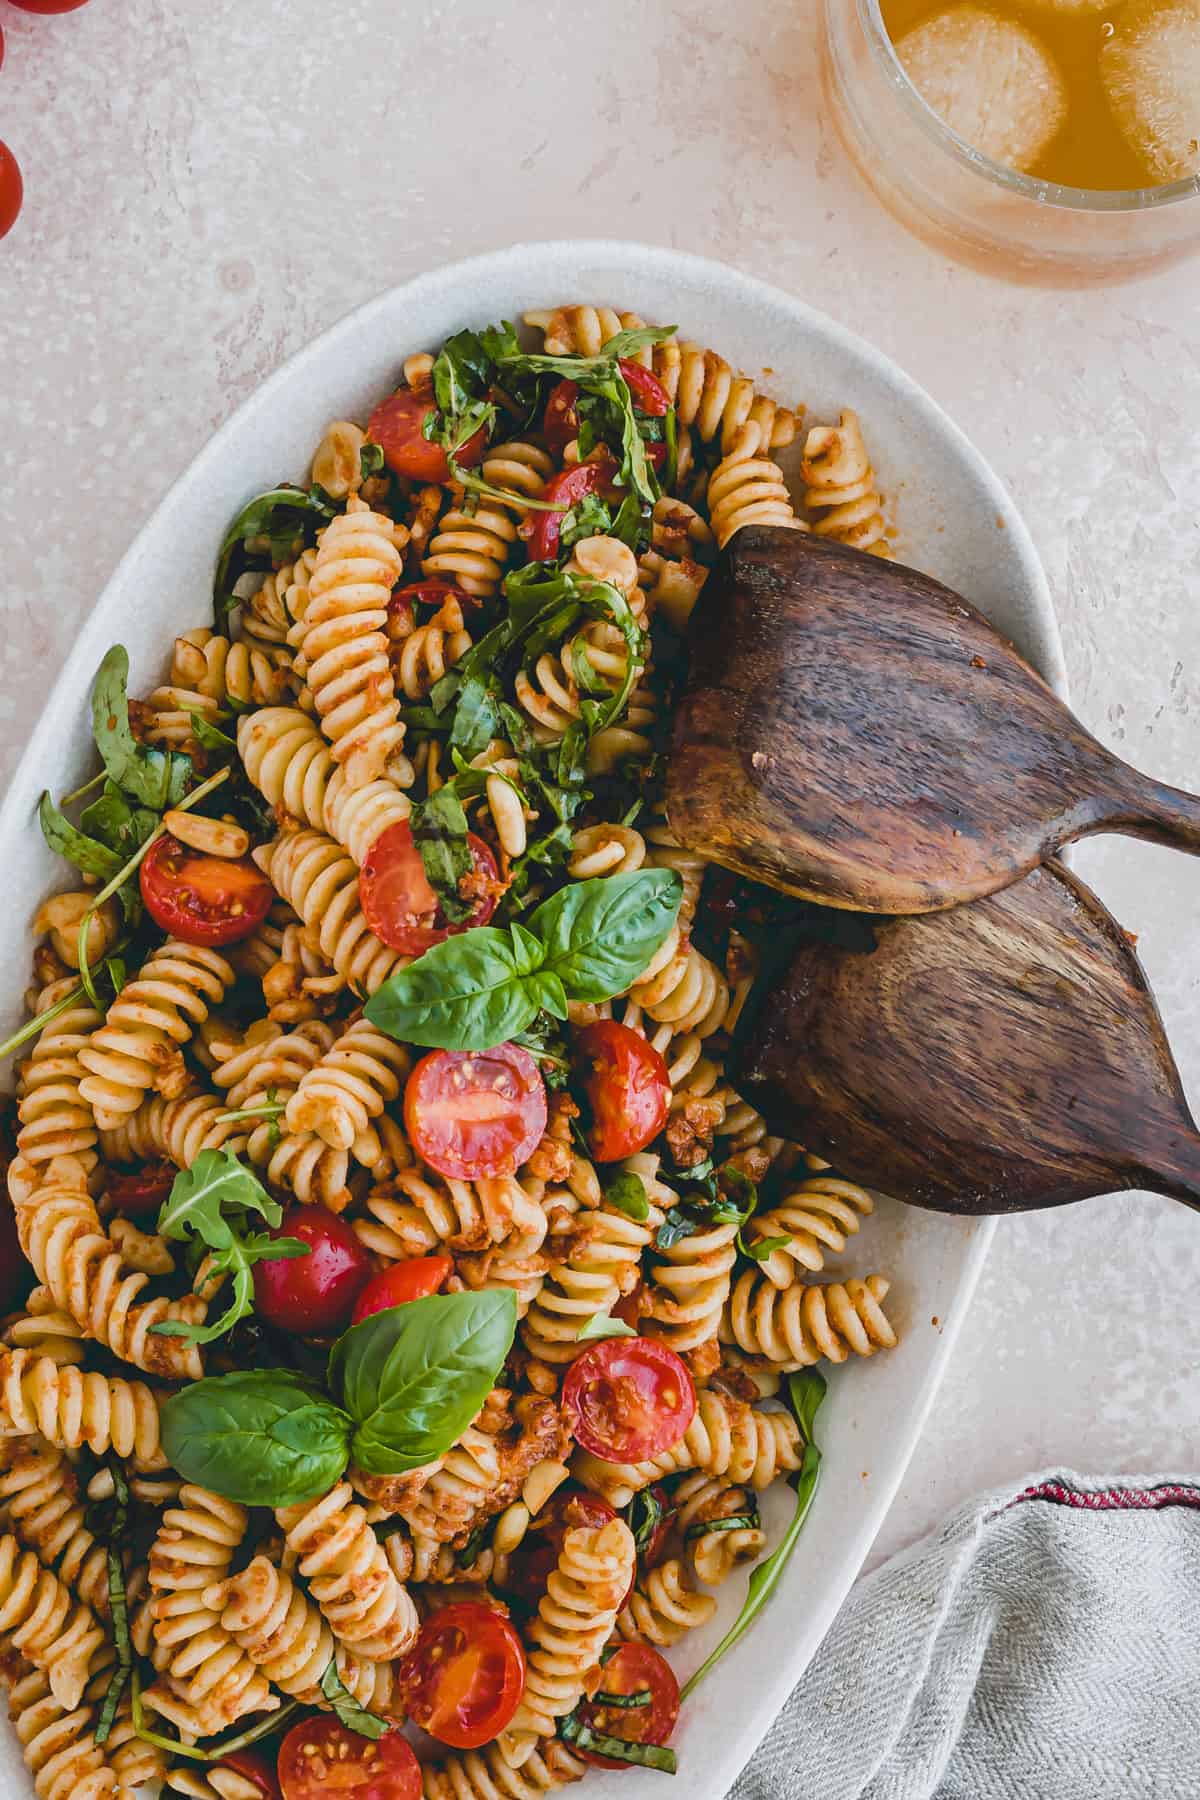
(855, 733)
(1000, 1057)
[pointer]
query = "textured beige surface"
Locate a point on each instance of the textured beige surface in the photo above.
(208, 186)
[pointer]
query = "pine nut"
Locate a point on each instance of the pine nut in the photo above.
(213, 837)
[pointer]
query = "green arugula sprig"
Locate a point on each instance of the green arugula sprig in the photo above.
(402, 1387)
(587, 942)
(214, 1201)
(806, 1391)
(112, 970)
(352, 1713)
(271, 529)
(267, 1726)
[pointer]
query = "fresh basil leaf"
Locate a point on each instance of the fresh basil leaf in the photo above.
(573, 1731)
(627, 1193)
(706, 1527)
(413, 1377)
(353, 1715)
(590, 517)
(476, 716)
(806, 1390)
(371, 460)
(600, 1325)
(158, 779)
(546, 1044)
(284, 519)
(600, 934)
(759, 1249)
(467, 993)
(643, 1516)
(677, 1225)
(439, 828)
(87, 853)
(262, 1437)
(623, 1702)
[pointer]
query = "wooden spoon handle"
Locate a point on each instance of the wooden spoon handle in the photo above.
(1176, 1168)
(1165, 815)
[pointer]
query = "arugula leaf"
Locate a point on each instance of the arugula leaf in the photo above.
(439, 828)
(677, 1225)
(759, 1249)
(206, 734)
(122, 827)
(546, 1044)
(590, 517)
(806, 1390)
(262, 1437)
(211, 1202)
(600, 1325)
(270, 529)
(627, 1192)
(353, 1715)
(87, 853)
(413, 1377)
(156, 778)
(599, 935)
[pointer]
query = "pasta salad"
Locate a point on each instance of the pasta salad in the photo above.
(406, 1310)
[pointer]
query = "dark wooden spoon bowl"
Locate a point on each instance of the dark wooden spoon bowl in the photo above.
(855, 733)
(1001, 1057)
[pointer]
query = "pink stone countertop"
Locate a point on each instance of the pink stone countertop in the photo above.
(210, 182)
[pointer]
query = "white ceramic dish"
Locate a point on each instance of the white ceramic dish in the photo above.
(956, 521)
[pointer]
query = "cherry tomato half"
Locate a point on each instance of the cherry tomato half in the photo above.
(628, 1399)
(313, 1294)
(411, 1280)
(649, 394)
(628, 1087)
(49, 6)
(463, 1677)
(140, 1191)
(560, 422)
(396, 426)
(400, 906)
(321, 1757)
(254, 1766)
(634, 1669)
(475, 1113)
(12, 190)
(532, 1563)
(211, 900)
(542, 530)
(651, 1552)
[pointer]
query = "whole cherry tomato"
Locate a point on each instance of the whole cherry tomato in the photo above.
(633, 1669)
(471, 1114)
(400, 906)
(628, 1087)
(462, 1679)
(542, 530)
(411, 1280)
(560, 421)
(397, 426)
(628, 1399)
(210, 900)
(12, 190)
(321, 1758)
(313, 1294)
(137, 1192)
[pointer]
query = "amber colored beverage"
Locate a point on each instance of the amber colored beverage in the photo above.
(1088, 94)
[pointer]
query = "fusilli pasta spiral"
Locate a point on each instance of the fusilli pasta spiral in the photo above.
(348, 1574)
(73, 1408)
(138, 1046)
(796, 1326)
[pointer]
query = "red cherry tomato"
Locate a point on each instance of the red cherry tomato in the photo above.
(140, 1191)
(656, 455)
(431, 593)
(400, 906)
(49, 6)
(628, 1399)
(14, 1270)
(542, 530)
(396, 426)
(12, 190)
(560, 422)
(313, 1294)
(463, 1677)
(253, 1766)
(532, 1563)
(211, 900)
(649, 394)
(411, 1280)
(632, 1670)
(1, 46)
(628, 1088)
(650, 1554)
(475, 1113)
(321, 1757)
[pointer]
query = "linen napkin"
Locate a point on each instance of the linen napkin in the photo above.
(1042, 1644)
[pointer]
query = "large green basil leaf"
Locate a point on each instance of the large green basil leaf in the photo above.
(413, 1378)
(158, 779)
(467, 993)
(599, 935)
(262, 1437)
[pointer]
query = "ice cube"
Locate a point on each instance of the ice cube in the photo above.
(1151, 70)
(990, 79)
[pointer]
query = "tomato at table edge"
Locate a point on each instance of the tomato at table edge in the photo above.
(650, 1670)
(156, 1176)
(531, 1105)
(254, 1765)
(542, 530)
(641, 1101)
(429, 1272)
(413, 939)
(430, 465)
(170, 914)
(324, 1726)
(272, 1274)
(592, 1366)
(11, 180)
(474, 1619)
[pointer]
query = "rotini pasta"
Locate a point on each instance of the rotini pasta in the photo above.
(816, 1216)
(47, 1624)
(138, 1047)
(796, 1326)
(72, 1408)
(348, 1574)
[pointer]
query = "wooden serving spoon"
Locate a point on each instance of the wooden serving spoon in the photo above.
(1001, 1057)
(856, 733)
